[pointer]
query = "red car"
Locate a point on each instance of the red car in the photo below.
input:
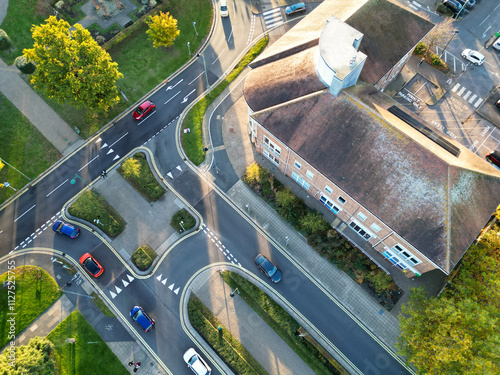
(143, 109)
(91, 265)
(494, 158)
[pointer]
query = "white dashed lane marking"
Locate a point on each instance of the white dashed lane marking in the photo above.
(221, 247)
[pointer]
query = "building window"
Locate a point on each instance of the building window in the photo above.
(361, 215)
(271, 146)
(328, 189)
(271, 157)
(375, 227)
(328, 203)
(341, 200)
(297, 164)
(360, 230)
(394, 259)
(406, 255)
(300, 181)
(309, 174)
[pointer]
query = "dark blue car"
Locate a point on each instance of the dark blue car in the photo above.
(67, 229)
(269, 269)
(139, 315)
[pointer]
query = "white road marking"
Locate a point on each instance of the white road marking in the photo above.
(119, 139)
(58, 187)
(461, 91)
(472, 98)
(173, 96)
(87, 164)
(479, 101)
(195, 78)
(218, 56)
(456, 87)
(467, 95)
(25, 213)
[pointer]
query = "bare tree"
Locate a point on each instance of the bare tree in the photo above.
(440, 35)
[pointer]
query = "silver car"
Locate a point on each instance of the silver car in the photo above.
(473, 56)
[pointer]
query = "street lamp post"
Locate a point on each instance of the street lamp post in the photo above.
(73, 181)
(21, 173)
(204, 67)
(194, 25)
(189, 49)
(455, 32)
(182, 226)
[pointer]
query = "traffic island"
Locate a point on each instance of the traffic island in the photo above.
(182, 221)
(143, 258)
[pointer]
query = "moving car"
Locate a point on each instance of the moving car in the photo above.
(143, 109)
(144, 320)
(196, 363)
(295, 8)
(91, 265)
(269, 269)
(65, 228)
(223, 8)
(494, 158)
(473, 56)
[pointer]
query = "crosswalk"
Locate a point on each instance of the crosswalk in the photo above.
(467, 95)
(273, 18)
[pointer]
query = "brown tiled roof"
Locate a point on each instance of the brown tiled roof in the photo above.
(283, 80)
(387, 38)
(429, 199)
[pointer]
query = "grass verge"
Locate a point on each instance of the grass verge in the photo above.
(187, 220)
(143, 257)
(283, 324)
(34, 291)
(88, 355)
(102, 306)
(192, 142)
(23, 147)
(91, 206)
(223, 342)
(143, 179)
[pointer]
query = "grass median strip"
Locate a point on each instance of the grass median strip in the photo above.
(135, 170)
(283, 324)
(31, 291)
(143, 257)
(222, 342)
(88, 354)
(101, 305)
(91, 206)
(192, 142)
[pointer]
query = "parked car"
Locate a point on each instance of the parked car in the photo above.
(473, 56)
(66, 229)
(453, 5)
(295, 8)
(468, 4)
(91, 265)
(497, 103)
(494, 158)
(496, 45)
(196, 363)
(269, 269)
(144, 320)
(143, 109)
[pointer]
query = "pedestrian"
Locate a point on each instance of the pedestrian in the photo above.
(104, 174)
(137, 365)
(131, 363)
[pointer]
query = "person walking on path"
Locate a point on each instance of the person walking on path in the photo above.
(137, 366)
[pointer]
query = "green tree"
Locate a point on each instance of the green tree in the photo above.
(34, 358)
(162, 29)
(286, 201)
(313, 222)
(72, 67)
(131, 167)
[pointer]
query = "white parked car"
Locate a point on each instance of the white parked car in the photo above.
(496, 45)
(196, 363)
(473, 56)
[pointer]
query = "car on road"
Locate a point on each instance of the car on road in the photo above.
(91, 265)
(473, 56)
(144, 320)
(66, 229)
(295, 8)
(494, 158)
(269, 269)
(196, 363)
(143, 109)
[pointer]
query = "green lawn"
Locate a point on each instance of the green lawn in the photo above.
(35, 291)
(91, 206)
(88, 355)
(22, 146)
(145, 182)
(21, 15)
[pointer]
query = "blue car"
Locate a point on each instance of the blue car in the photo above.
(295, 8)
(67, 229)
(144, 320)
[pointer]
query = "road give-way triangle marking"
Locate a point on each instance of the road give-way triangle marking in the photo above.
(125, 284)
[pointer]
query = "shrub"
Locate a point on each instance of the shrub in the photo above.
(143, 257)
(380, 280)
(420, 48)
(437, 61)
(24, 65)
(187, 220)
(5, 41)
(138, 174)
(286, 201)
(252, 176)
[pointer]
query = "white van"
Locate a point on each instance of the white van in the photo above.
(223, 8)
(496, 45)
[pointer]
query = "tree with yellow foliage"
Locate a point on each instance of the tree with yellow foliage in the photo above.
(162, 29)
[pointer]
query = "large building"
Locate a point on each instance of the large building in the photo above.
(317, 111)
